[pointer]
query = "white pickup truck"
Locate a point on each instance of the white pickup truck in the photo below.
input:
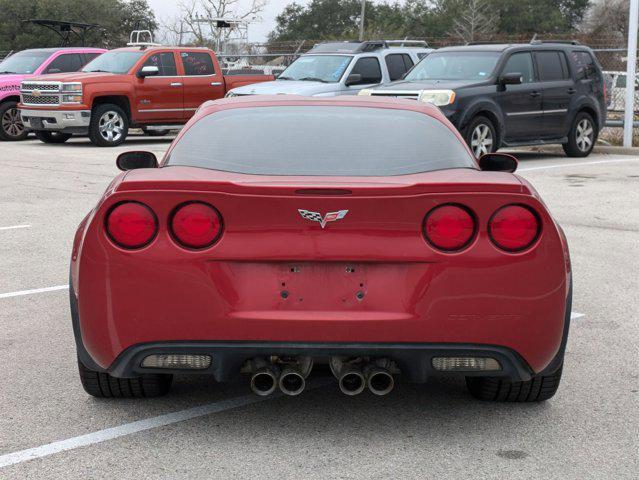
(342, 68)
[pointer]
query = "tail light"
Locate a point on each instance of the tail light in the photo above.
(131, 225)
(449, 227)
(514, 228)
(196, 225)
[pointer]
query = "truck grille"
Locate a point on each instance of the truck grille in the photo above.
(43, 87)
(28, 99)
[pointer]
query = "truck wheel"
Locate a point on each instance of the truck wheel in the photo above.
(582, 136)
(109, 125)
(494, 389)
(11, 127)
(103, 385)
(481, 136)
(52, 137)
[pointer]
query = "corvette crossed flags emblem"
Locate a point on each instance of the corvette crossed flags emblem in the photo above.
(317, 217)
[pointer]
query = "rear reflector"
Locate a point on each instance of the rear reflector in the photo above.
(196, 225)
(131, 225)
(449, 227)
(188, 362)
(465, 364)
(514, 228)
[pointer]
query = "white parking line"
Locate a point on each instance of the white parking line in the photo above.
(576, 315)
(138, 426)
(15, 227)
(578, 164)
(35, 290)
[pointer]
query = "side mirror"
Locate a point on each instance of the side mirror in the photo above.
(511, 79)
(132, 160)
(148, 71)
(352, 79)
(498, 162)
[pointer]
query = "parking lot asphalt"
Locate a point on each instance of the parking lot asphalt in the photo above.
(49, 428)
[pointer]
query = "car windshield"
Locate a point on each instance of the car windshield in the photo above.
(116, 61)
(23, 62)
(455, 66)
(320, 140)
(318, 68)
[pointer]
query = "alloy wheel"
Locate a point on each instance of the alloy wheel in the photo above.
(12, 123)
(111, 126)
(481, 141)
(585, 135)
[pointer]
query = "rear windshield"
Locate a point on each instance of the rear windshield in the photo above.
(320, 140)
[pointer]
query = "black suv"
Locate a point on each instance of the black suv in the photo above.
(512, 95)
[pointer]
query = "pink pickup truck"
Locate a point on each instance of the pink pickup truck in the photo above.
(28, 63)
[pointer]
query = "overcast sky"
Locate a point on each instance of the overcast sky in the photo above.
(166, 9)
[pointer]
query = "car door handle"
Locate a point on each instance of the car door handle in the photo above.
(216, 84)
(571, 91)
(534, 94)
(176, 84)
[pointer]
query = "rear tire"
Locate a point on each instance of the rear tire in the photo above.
(495, 389)
(481, 136)
(11, 126)
(109, 125)
(52, 137)
(582, 136)
(103, 385)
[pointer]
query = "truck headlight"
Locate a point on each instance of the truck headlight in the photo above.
(437, 97)
(72, 98)
(365, 92)
(71, 87)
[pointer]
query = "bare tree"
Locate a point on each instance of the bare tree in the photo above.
(608, 17)
(474, 19)
(196, 20)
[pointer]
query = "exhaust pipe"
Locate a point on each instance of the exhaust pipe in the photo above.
(264, 381)
(380, 381)
(352, 382)
(292, 381)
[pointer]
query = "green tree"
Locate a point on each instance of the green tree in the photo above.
(116, 19)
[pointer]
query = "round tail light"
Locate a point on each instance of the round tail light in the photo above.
(131, 225)
(449, 227)
(514, 228)
(196, 225)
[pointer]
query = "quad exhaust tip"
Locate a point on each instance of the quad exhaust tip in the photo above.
(352, 382)
(264, 382)
(380, 381)
(292, 382)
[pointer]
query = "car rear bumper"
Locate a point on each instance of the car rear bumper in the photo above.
(66, 121)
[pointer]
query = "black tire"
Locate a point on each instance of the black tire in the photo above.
(477, 125)
(11, 126)
(494, 389)
(52, 137)
(156, 133)
(578, 137)
(103, 385)
(100, 117)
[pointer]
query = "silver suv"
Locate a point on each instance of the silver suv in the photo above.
(342, 68)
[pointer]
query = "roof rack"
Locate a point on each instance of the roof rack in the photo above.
(354, 46)
(487, 43)
(137, 34)
(534, 41)
(407, 43)
(65, 29)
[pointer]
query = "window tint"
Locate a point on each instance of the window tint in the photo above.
(398, 64)
(369, 69)
(197, 63)
(90, 56)
(521, 63)
(455, 65)
(165, 62)
(320, 140)
(550, 66)
(585, 64)
(68, 62)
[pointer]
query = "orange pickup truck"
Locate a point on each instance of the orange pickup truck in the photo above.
(150, 87)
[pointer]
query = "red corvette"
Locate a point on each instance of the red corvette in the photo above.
(282, 232)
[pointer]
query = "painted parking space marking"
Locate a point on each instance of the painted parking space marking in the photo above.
(15, 227)
(576, 315)
(35, 290)
(138, 426)
(578, 164)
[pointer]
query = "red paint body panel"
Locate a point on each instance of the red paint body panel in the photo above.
(233, 290)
